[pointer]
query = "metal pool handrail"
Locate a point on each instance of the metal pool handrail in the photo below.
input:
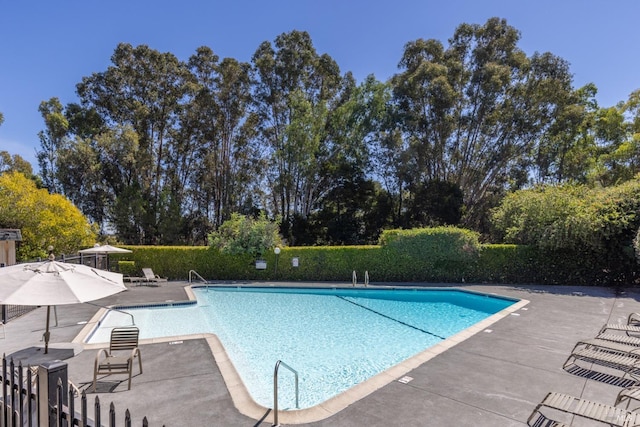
(133, 320)
(196, 273)
(275, 390)
(354, 278)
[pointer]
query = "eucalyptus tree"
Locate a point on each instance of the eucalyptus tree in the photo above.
(52, 140)
(295, 94)
(144, 89)
(224, 162)
(15, 163)
(470, 112)
(78, 171)
(568, 150)
(356, 123)
(68, 163)
(353, 208)
(617, 134)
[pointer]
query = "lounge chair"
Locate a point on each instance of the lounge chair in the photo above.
(619, 338)
(628, 395)
(575, 406)
(123, 349)
(133, 279)
(613, 355)
(150, 276)
(624, 345)
(631, 327)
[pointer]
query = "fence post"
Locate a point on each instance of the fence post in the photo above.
(112, 415)
(3, 317)
(48, 375)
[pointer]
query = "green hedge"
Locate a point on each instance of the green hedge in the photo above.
(426, 255)
(128, 268)
(440, 254)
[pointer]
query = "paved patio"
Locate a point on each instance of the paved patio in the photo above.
(494, 378)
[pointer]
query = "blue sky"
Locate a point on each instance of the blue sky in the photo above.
(46, 47)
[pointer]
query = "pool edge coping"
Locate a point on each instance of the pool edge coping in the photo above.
(241, 397)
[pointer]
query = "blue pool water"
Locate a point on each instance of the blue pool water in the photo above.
(334, 338)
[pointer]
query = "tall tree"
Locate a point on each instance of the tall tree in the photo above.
(469, 112)
(220, 126)
(617, 135)
(52, 141)
(567, 151)
(143, 89)
(80, 175)
(294, 94)
(353, 208)
(15, 163)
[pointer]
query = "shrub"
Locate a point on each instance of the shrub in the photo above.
(44, 219)
(245, 235)
(636, 245)
(441, 255)
(588, 230)
(433, 254)
(128, 268)
(570, 217)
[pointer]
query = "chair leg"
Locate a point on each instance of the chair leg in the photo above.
(131, 361)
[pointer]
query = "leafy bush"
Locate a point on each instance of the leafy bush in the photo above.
(245, 235)
(437, 243)
(128, 268)
(636, 245)
(44, 219)
(551, 217)
(589, 231)
(570, 217)
(427, 255)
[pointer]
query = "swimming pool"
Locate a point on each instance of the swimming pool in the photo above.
(335, 338)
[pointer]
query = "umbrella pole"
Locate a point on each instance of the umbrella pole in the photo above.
(46, 332)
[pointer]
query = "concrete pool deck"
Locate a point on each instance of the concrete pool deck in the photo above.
(492, 378)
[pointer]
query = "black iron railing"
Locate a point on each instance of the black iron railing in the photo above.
(42, 397)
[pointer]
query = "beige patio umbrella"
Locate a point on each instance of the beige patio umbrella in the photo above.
(104, 249)
(55, 283)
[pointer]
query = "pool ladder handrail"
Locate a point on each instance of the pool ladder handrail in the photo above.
(133, 320)
(354, 278)
(275, 390)
(192, 272)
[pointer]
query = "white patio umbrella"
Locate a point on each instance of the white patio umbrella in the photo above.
(104, 249)
(55, 283)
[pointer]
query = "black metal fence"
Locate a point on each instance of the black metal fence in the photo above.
(19, 401)
(43, 398)
(91, 260)
(8, 312)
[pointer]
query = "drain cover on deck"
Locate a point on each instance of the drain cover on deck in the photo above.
(405, 380)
